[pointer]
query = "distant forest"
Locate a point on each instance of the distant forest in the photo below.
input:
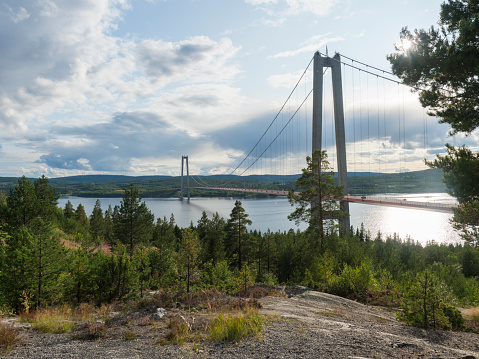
(103, 186)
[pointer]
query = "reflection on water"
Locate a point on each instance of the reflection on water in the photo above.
(420, 225)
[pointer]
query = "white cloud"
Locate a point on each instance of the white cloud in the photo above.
(286, 8)
(310, 46)
(318, 7)
(261, 2)
(17, 15)
(195, 60)
(66, 60)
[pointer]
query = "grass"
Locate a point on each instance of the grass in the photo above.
(338, 314)
(236, 327)
(57, 320)
(8, 338)
(471, 316)
(129, 335)
(96, 330)
(178, 331)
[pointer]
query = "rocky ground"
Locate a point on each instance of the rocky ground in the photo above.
(307, 324)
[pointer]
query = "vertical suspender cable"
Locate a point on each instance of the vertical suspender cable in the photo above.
(354, 121)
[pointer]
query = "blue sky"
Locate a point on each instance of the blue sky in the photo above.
(127, 87)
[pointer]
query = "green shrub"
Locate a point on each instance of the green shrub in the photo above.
(423, 305)
(454, 316)
(351, 281)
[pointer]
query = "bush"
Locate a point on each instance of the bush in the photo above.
(423, 306)
(454, 316)
(351, 281)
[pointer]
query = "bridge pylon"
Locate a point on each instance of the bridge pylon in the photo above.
(334, 63)
(183, 160)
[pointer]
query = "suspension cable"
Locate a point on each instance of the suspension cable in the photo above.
(280, 111)
(280, 132)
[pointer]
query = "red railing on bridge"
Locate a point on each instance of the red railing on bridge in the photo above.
(433, 206)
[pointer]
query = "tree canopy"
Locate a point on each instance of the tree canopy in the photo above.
(441, 64)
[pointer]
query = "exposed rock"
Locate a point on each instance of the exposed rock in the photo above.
(160, 313)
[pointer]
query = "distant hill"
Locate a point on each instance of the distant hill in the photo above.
(168, 186)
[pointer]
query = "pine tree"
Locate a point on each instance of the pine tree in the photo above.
(68, 211)
(134, 224)
(422, 303)
(188, 253)
(317, 201)
(97, 222)
(21, 204)
(80, 214)
(46, 198)
(236, 234)
(108, 226)
(441, 65)
(211, 236)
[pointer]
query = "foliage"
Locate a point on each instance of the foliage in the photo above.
(42, 265)
(133, 223)
(96, 330)
(235, 327)
(188, 254)
(211, 234)
(97, 222)
(236, 234)
(460, 169)
(178, 331)
(8, 338)
(423, 305)
(317, 200)
(441, 65)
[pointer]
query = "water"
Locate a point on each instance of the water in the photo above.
(272, 213)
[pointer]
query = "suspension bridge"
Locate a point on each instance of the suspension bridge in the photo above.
(365, 121)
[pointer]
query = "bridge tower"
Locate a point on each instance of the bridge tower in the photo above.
(334, 63)
(183, 159)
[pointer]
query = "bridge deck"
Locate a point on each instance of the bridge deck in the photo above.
(433, 206)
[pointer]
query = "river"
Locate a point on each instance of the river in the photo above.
(272, 213)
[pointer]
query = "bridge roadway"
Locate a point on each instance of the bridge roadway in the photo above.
(432, 206)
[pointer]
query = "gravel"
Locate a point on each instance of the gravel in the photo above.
(307, 325)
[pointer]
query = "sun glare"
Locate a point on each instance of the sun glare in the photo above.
(406, 44)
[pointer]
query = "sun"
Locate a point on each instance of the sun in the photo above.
(406, 44)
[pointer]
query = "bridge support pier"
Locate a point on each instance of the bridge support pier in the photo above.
(183, 159)
(335, 64)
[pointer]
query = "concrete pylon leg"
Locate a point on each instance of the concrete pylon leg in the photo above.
(183, 160)
(335, 64)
